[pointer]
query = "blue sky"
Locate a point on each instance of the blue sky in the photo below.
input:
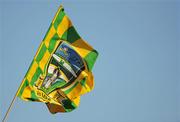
(136, 74)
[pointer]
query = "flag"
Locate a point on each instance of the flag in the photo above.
(61, 69)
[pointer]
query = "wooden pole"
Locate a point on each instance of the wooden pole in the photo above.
(5, 117)
(12, 103)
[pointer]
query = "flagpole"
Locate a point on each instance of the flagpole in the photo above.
(12, 103)
(4, 119)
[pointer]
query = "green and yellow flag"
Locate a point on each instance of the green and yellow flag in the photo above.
(61, 69)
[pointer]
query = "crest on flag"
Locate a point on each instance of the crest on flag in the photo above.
(62, 70)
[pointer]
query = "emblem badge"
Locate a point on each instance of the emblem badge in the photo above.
(62, 70)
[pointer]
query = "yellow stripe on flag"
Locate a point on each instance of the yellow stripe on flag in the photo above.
(84, 90)
(89, 82)
(26, 93)
(50, 34)
(63, 26)
(32, 71)
(77, 101)
(82, 47)
(44, 60)
(75, 92)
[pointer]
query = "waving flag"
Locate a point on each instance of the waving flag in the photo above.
(61, 69)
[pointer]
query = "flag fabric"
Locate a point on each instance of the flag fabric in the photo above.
(61, 69)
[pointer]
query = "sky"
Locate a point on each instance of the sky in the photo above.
(137, 73)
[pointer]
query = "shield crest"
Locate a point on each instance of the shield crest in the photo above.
(64, 66)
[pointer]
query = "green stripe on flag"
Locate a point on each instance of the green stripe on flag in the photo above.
(75, 106)
(29, 67)
(25, 84)
(70, 35)
(41, 53)
(68, 105)
(53, 42)
(58, 19)
(33, 96)
(90, 59)
(36, 76)
(83, 81)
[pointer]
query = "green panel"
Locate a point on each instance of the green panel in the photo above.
(70, 35)
(36, 75)
(53, 42)
(83, 81)
(90, 59)
(33, 96)
(59, 19)
(41, 53)
(64, 36)
(25, 84)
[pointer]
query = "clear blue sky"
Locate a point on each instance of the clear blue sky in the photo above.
(137, 74)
